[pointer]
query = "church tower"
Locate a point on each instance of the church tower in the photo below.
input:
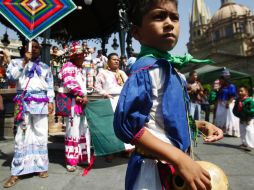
(227, 37)
(198, 20)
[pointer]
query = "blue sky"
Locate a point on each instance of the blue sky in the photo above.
(184, 10)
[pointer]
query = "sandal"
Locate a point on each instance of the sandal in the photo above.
(71, 168)
(11, 181)
(43, 174)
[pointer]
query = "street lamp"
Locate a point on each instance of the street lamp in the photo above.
(88, 2)
(115, 44)
(5, 41)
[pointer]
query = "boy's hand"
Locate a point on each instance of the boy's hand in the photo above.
(193, 174)
(211, 132)
(50, 108)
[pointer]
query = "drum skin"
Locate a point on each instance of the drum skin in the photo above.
(219, 180)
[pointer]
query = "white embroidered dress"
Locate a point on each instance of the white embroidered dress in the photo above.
(31, 153)
(77, 136)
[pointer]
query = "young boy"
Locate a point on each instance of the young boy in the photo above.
(151, 112)
(244, 109)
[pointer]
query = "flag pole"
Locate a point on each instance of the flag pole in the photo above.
(30, 46)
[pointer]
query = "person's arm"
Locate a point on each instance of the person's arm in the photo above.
(130, 117)
(50, 90)
(195, 176)
(201, 90)
(14, 70)
(249, 108)
(235, 108)
(124, 76)
(232, 94)
(99, 82)
(211, 132)
(68, 75)
(189, 88)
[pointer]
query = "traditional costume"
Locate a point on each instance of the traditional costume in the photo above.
(195, 88)
(77, 136)
(224, 117)
(111, 83)
(154, 97)
(35, 90)
(244, 109)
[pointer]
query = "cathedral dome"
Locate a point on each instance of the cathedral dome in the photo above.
(228, 10)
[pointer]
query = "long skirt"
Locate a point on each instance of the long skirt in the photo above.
(77, 140)
(31, 152)
(247, 133)
(226, 120)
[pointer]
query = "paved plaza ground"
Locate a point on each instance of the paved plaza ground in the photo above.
(237, 164)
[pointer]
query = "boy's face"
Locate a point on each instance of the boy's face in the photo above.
(242, 92)
(160, 27)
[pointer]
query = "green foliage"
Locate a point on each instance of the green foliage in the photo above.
(207, 87)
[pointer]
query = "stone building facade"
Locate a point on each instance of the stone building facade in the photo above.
(13, 47)
(227, 37)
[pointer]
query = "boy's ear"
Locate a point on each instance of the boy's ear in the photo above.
(135, 32)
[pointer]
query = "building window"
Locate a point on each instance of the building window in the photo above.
(216, 35)
(199, 32)
(229, 31)
(241, 28)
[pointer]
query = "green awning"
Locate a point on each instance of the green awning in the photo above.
(208, 74)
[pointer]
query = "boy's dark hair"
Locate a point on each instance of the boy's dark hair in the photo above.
(138, 8)
(244, 87)
(111, 55)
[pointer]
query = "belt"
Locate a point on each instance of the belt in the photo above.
(144, 153)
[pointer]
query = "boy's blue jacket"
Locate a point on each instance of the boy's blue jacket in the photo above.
(135, 103)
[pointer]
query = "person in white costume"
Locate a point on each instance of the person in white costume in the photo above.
(109, 81)
(34, 83)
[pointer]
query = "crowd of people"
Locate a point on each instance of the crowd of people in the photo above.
(74, 69)
(229, 110)
(153, 103)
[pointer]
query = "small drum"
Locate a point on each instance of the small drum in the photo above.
(219, 180)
